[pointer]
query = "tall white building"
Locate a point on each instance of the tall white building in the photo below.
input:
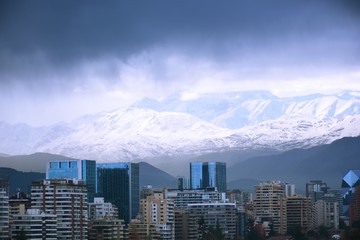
(68, 200)
(326, 214)
(4, 214)
(35, 224)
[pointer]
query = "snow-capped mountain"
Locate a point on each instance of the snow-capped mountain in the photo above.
(209, 123)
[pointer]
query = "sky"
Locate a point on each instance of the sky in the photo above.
(63, 59)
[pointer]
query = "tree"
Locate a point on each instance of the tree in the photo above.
(21, 235)
(296, 232)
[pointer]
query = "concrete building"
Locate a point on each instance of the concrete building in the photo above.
(270, 205)
(68, 200)
(326, 214)
(183, 198)
(315, 189)
(104, 222)
(159, 211)
(118, 183)
(84, 170)
(4, 214)
(34, 224)
(212, 215)
(208, 174)
(239, 197)
(142, 231)
(299, 212)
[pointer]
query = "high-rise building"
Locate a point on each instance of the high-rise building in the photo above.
(270, 205)
(4, 214)
(183, 183)
(118, 183)
(68, 200)
(326, 214)
(315, 189)
(103, 221)
(208, 174)
(34, 224)
(299, 212)
(203, 216)
(84, 170)
(183, 198)
(351, 195)
(159, 211)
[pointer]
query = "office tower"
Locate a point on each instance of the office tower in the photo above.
(326, 214)
(183, 183)
(68, 200)
(118, 183)
(350, 186)
(316, 189)
(299, 212)
(208, 174)
(239, 197)
(205, 216)
(289, 189)
(34, 224)
(158, 211)
(4, 214)
(84, 170)
(270, 205)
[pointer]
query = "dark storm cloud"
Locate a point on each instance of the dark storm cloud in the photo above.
(66, 31)
(64, 50)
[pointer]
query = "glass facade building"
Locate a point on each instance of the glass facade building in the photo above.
(118, 183)
(350, 182)
(84, 170)
(208, 174)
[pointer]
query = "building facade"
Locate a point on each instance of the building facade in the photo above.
(270, 205)
(34, 224)
(4, 214)
(67, 199)
(84, 170)
(208, 174)
(299, 212)
(118, 183)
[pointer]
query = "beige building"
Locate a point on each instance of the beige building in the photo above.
(299, 212)
(270, 206)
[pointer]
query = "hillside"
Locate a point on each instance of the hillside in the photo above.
(327, 162)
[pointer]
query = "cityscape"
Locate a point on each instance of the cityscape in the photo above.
(80, 199)
(180, 120)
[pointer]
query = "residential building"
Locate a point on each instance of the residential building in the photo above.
(183, 198)
(104, 222)
(299, 212)
(142, 231)
(270, 205)
(326, 214)
(84, 170)
(208, 174)
(4, 214)
(67, 199)
(239, 197)
(118, 183)
(34, 224)
(204, 216)
(158, 211)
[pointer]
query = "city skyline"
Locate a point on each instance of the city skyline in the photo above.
(62, 60)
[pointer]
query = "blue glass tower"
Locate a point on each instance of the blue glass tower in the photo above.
(118, 183)
(208, 174)
(349, 183)
(74, 169)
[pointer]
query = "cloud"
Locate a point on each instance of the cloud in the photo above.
(61, 59)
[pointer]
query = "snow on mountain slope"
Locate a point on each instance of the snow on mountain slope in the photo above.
(137, 133)
(239, 109)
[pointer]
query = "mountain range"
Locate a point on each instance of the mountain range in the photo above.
(327, 162)
(179, 127)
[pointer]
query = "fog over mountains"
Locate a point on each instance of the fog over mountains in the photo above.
(188, 124)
